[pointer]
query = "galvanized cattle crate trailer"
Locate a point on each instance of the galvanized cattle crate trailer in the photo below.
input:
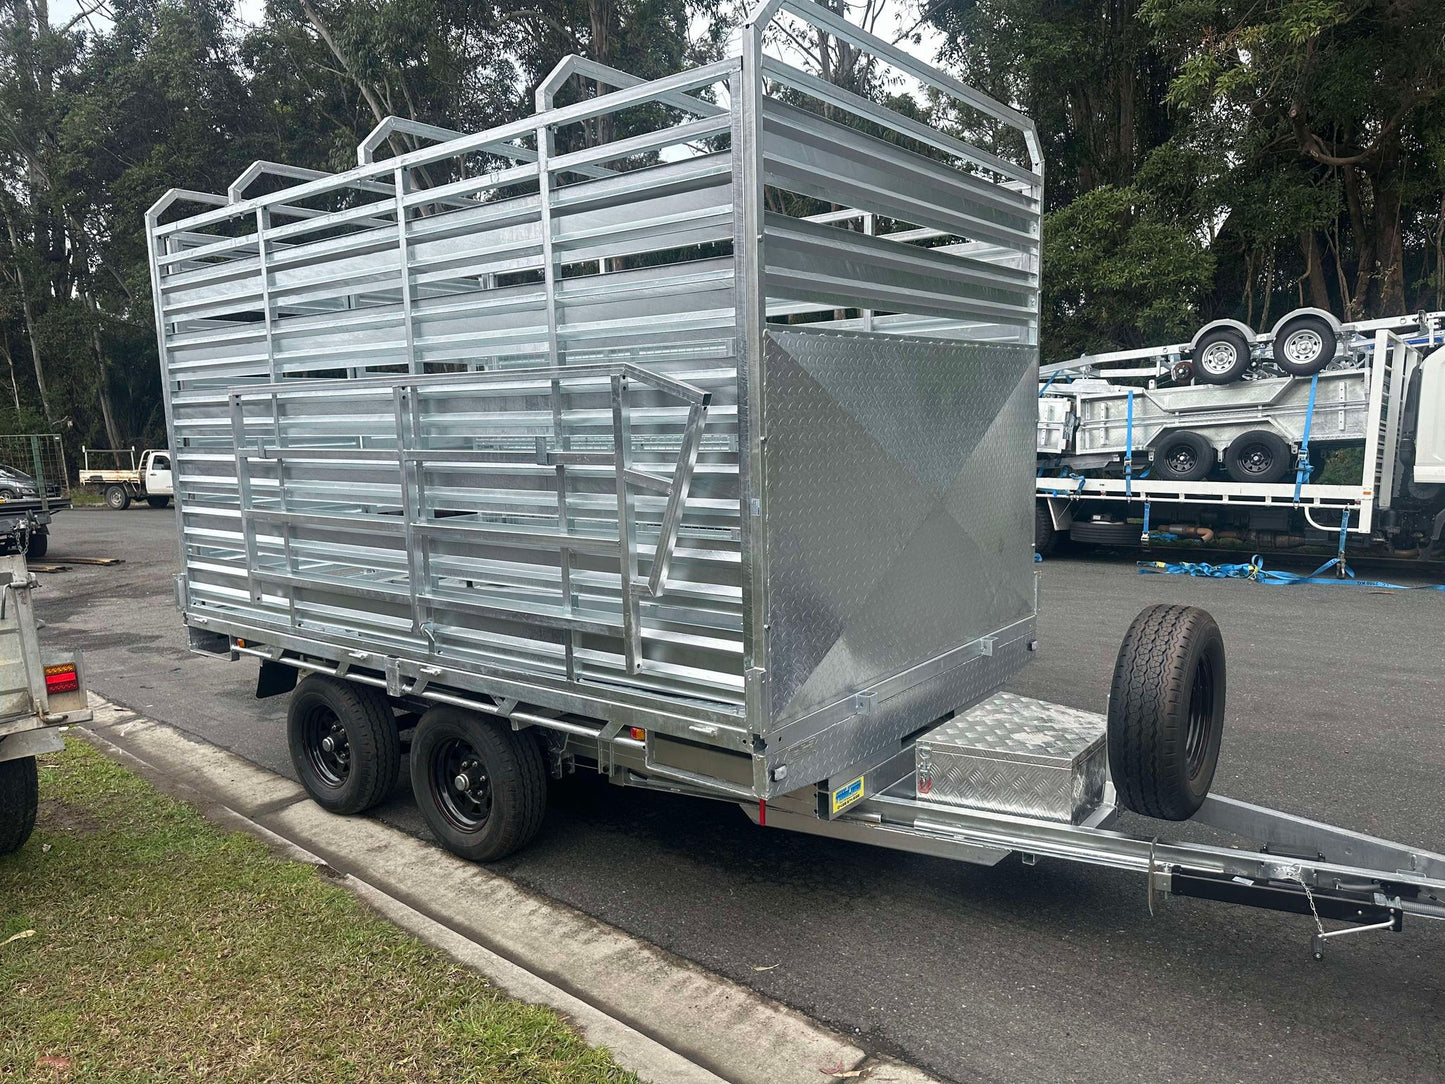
(682, 432)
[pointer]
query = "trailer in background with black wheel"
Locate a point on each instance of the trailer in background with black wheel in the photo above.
(1316, 433)
(40, 690)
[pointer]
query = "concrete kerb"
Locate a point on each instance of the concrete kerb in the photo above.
(661, 1017)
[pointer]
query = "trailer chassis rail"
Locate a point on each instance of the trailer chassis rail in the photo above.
(1301, 867)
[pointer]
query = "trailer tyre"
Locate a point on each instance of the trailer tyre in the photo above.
(1166, 711)
(1184, 457)
(1220, 356)
(1257, 456)
(481, 786)
(1046, 538)
(38, 545)
(1305, 345)
(1105, 533)
(344, 743)
(117, 498)
(19, 799)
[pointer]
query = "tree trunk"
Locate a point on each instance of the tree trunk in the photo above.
(1364, 244)
(1314, 276)
(14, 384)
(1390, 237)
(102, 373)
(601, 15)
(28, 313)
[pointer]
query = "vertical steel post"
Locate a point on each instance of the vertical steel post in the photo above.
(400, 180)
(243, 492)
(745, 98)
(263, 224)
(626, 529)
(401, 398)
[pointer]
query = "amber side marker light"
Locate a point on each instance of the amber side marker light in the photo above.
(62, 678)
(638, 734)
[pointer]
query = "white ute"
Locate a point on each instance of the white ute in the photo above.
(150, 481)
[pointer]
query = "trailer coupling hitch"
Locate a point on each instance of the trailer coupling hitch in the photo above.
(1289, 893)
(1317, 943)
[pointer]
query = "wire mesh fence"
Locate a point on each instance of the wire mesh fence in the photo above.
(32, 466)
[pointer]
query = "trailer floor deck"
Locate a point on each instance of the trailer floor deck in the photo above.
(1047, 973)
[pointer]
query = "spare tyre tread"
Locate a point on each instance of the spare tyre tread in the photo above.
(19, 800)
(1104, 533)
(1153, 681)
(1046, 535)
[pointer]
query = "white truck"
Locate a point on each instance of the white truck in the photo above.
(1227, 437)
(149, 481)
(39, 692)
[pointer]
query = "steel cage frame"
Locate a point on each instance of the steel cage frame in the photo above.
(965, 235)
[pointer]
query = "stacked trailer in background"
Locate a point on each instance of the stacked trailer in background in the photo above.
(1226, 437)
(698, 457)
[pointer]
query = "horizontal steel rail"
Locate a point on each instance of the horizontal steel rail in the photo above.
(497, 400)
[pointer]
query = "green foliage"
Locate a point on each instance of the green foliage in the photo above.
(1301, 143)
(153, 946)
(1120, 274)
(102, 117)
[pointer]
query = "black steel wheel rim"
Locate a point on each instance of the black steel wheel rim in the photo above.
(1182, 459)
(1201, 718)
(461, 784)
(1256, 459)
(327, 749)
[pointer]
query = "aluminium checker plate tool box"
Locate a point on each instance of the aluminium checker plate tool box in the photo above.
(1011, 754)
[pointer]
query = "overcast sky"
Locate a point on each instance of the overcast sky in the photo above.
(897, 19)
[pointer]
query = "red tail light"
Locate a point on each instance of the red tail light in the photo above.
(61, 679)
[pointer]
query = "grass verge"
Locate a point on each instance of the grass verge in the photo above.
(167, 949)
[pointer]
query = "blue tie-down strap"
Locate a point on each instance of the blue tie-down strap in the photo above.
(1302, 465)
(1256, 571)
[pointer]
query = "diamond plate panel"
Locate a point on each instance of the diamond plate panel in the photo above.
(876, 735)
(898, 476)
(1014, 755)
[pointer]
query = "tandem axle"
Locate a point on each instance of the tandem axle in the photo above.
(1011, 775)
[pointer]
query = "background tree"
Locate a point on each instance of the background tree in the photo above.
(1204, 157)
(1284, 153)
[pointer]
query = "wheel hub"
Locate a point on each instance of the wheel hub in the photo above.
(1256, 460)
(1304, 346)
(1219, 358)
(463, 789)
(327, 748)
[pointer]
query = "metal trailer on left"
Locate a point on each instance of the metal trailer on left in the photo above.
(33, 487)
(699, 458)
(41, 690)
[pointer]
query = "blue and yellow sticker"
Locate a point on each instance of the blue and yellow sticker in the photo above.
(847, 794)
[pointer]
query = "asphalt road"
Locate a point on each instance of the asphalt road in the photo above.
(1011, 973)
